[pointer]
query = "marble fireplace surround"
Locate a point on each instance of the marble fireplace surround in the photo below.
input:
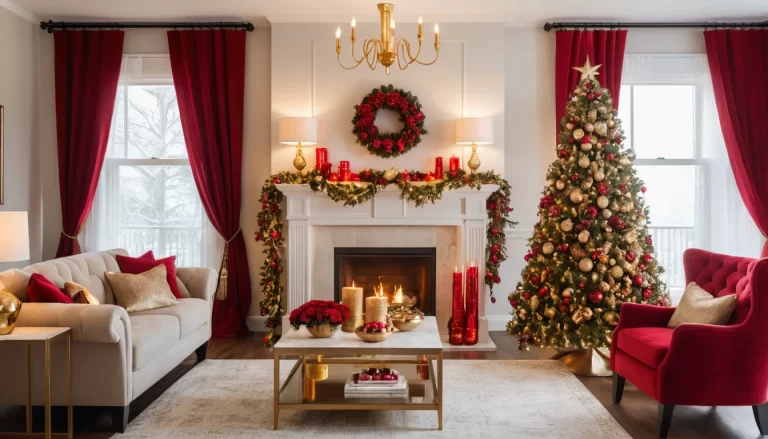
(315, 224)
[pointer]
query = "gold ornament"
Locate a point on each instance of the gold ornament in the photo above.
(585, 265)
(584, 162)
(592, 116)
(603, 259)
(550, 313)
(602, 201)
(610, 124)
(601, 128)
(578, 317)
(578, 133)
(612, 318)
(577, 251)
(576, 195)
(584, 236)
(566, 225)
(616, 272)
(607, 213)
(391, 173)
(604, 287)
(535, 302)
(568, 292)
(587, 312)
(588, 127)
(595, 277)
(599, 176)
(10, 306)
(560, 185)
(586, 147)
(548, 248)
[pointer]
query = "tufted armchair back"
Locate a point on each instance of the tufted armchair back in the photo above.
(87, 269)
(721, 275)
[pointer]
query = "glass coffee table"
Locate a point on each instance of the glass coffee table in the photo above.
(323, 366)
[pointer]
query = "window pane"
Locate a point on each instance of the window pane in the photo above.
(116, 148)
(663, 119)
(672, 213)
(154, 126)
(160, 210)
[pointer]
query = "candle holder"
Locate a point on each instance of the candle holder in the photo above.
(457, 316)
(472, 324)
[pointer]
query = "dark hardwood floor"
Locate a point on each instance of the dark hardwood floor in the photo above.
(636, 413)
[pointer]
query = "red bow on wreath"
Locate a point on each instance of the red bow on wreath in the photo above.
(391, 144)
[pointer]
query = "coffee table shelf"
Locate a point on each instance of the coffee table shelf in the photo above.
(323, 365)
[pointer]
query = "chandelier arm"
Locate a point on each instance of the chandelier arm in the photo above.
(437, 53)
(370, 48)
(353, 54)
(418, 52)
(403, 50)
(354, 65)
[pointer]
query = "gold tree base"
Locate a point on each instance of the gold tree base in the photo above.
(588, 362)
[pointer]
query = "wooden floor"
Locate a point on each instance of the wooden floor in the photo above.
(636, 413)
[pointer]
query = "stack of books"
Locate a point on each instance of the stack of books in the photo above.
(355, 388)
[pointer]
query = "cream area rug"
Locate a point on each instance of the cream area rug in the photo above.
(484, 399)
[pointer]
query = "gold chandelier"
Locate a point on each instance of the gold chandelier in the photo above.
(388, 48)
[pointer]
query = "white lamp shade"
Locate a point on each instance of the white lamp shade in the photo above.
(14, 236)
(295, 130)
(478, 130)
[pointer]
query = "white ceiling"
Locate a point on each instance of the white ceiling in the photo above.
(511, 12)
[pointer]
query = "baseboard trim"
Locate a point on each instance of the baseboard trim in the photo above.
(498, 323)
(256, 323)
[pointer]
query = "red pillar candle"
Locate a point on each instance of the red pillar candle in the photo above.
(326, 169)
(344, 164)
(321, 156)
(457, 316)
(472, 287)
(345, 174)
(439, 168)
(453, 163)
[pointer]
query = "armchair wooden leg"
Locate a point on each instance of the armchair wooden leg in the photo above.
(120, 418)
(201, 352)
(618, 387)
(761, 417)
(665, 419)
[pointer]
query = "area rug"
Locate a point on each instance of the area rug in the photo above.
(489, 399)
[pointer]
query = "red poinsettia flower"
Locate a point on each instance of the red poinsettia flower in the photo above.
(400, 144)
(376, 143)
(364, 109)
(387, 144)
(546, 201)
(393, 98)
(410, 121)
(364, 136)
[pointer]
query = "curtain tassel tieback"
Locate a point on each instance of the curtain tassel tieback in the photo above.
(221, 290)
(70, 236)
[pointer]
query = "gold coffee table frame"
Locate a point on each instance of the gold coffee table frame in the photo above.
(43, 336)
(346, 350)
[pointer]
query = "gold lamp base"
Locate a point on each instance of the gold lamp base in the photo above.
(588, 362)
(474, 160)
(10, 307)
(299, 162)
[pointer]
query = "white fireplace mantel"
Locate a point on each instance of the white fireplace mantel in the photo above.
(464, 209)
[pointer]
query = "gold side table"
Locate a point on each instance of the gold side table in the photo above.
(29, 336)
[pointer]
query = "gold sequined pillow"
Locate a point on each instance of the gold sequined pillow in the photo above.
(140, 292)
(80, 294)
(698, 306)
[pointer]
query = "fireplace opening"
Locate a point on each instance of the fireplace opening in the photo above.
(407, 275)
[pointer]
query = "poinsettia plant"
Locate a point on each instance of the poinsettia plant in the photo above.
(319, 312)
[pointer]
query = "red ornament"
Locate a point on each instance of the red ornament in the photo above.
(649, 240)
(513, 302)
(535, 279)
(589, 85)
(494, 259)
(575, 177)
(591, 211)
(527, 296)
(563, 153)
(563, 248)
(598, 94)
(543, 291)
(489, 274)
(590, 96)
(274, 234)
(637, 280)
(596, 296)
(603, 188)
(596, 254)
(623, 187)
(333, 177)
(609, 156)
(641, 267)
(554, 211)
(582, 284)
(493, 299)
(566, 300)
(585, 140)
(276, 181)
(563, 308)
(643, 189)
(496, 279)
(495, 248)
(647, 257)
(629, 256)
(571, 140)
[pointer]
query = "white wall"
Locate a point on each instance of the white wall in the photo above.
(467, 80)
(18, 94)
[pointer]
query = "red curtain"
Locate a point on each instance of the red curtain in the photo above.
(738, 62)
(87, 67)
(605, 47)
(209, 76)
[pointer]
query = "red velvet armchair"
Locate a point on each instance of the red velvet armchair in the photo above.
(700, 364)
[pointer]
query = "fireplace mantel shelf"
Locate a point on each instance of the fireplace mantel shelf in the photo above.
(305, 210)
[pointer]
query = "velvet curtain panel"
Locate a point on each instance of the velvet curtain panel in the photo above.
(605, 47)
(87, 68)
(209, 76)
(738, 62)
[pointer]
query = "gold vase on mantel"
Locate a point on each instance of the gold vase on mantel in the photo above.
(10, 307)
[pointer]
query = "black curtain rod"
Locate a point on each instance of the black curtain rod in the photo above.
(651, 25)
(62, 25)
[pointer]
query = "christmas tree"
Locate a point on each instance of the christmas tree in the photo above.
(590, 251)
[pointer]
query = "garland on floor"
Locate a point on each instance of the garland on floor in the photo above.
(270, 221)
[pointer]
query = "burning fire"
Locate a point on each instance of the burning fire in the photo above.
(379, 291)
(397, 296)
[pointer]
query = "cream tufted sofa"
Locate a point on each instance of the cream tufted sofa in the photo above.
(116, 356)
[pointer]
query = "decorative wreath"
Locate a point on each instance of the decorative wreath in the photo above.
(391, 144)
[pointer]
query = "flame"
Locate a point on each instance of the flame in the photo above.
(379, 291)
(397, 297)
(353, 284)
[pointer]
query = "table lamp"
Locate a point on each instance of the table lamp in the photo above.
(298, 131)
(14, 246)
(474, 131)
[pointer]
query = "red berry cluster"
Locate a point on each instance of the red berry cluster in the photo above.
(373, 374)
(373, 327)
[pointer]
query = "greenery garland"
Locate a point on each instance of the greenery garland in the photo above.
(270, 222)
(391, 144)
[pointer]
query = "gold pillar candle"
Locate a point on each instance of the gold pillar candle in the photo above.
(376, 308)
(353, 298)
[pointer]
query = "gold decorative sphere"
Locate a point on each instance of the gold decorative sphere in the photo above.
(10, 307)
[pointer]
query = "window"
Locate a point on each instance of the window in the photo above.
(670, 121)
(147, 198)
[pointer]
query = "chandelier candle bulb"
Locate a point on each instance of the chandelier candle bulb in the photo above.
(338, 40)
(420, 34)
(437, 36)
(352, 35)
(353, 298)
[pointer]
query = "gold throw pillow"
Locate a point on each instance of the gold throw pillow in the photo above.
(140, 292)
(80, 294)
(698, 306)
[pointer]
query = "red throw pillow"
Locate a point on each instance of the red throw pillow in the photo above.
(141, 264)
(40, 289)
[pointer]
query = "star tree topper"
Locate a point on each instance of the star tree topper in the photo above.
(588, 71)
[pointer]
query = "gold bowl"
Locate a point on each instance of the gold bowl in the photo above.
(322, 331)
(408, 320)
(372, 337)
(10, 307)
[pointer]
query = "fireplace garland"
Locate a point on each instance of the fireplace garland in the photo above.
(270, 230)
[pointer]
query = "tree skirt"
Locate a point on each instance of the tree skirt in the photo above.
(492, 399)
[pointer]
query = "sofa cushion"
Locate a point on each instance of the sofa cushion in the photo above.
(152, 336)
(40, 289)
(146, 262)
(649, 345)
(698, 306)
(189, 313)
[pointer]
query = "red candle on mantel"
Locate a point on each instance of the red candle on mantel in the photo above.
(453, 163)
(439, 168)
(321, 157)
(326, 169)
(344, 164)
(344, 174)
(472, 323)
(457, 308)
